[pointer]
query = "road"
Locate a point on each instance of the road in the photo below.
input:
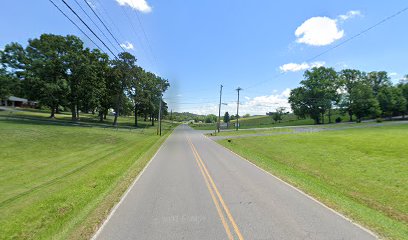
(195, 189)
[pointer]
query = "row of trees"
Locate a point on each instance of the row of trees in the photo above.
(352, 91)
(59, 72)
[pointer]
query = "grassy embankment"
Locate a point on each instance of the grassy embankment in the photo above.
(60, 182)
(265, 122)
(359, 172)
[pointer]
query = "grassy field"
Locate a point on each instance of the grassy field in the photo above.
(60, 182)
(245, 132)
(265, 122)
(85, 118)
(359, 172)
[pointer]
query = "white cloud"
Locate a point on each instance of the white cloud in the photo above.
(139, 5)
(349, 14)
(259, 105)
(322, 31)
(127, 45)
(295, 67)
(392, 74)
(318, 31)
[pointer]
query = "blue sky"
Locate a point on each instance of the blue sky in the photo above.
(261, 46)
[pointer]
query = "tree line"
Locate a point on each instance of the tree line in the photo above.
(354, 92)
(61, 74)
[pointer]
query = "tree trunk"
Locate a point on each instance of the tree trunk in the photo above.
(145, 116)
(351, 116)
(115, 120)
(52, 112)
(330, 121)
(77, 112)
(322, 118)
(73, 113)
(101, 116)
(136, 112)
(152, 119)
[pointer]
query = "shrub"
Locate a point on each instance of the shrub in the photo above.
(338, 120)
(379, 120)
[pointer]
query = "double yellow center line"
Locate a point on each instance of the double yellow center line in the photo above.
(216, 196)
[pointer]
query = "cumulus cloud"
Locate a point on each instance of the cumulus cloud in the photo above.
(127, 45)
(259, 105)
(295, 67)
(322, 31)
(139, 5)
(349, 14)
(318, 31)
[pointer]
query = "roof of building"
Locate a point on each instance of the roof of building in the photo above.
(17, 99)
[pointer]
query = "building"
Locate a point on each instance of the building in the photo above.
(13, 101)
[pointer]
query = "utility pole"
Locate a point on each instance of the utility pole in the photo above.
(219, 110)
(159, 129)
(238, 89)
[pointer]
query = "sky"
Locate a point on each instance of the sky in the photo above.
(261, 46)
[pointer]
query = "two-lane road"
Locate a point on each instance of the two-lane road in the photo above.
(195, 189)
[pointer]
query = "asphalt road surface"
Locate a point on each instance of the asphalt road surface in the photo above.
(195, 189)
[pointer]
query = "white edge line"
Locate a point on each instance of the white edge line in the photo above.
(300, 191)
(125, 194)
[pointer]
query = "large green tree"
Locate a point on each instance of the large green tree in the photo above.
(227, 118)
(348, 79)
(363, 101)
(123, 73)
(316, 95)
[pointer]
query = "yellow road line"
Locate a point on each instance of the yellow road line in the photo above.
(226, 209)
(224, 223)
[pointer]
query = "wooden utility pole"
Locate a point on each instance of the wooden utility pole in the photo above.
(237, 124)
(219, 110)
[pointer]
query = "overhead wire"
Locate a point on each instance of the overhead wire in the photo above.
(76, 25)
(83, 10)
(107, 29)
(79, 17)
(339, 44)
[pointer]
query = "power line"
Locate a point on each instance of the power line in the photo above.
(72, 10)
(340, 44)
(83, 10)
(109, 18)
(145, 35)
(358, 34)
(104, 24)
(135, 32)
(59, 9)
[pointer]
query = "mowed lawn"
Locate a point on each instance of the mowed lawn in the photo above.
(60, 181)
(362, 173)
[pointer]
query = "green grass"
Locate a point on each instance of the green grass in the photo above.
(359, 172)
(85, 118)
(61, 181)
(266, 122)
(246, 132)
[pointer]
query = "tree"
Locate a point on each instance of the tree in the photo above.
(210, 118)
(378, 80)
(47, 70)
(278, 115)
(392, 101)
(316, 95)
(122, 73)
(227, 118)
(348, 78)
(403, 85)
(363, 101)
(9, 85)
